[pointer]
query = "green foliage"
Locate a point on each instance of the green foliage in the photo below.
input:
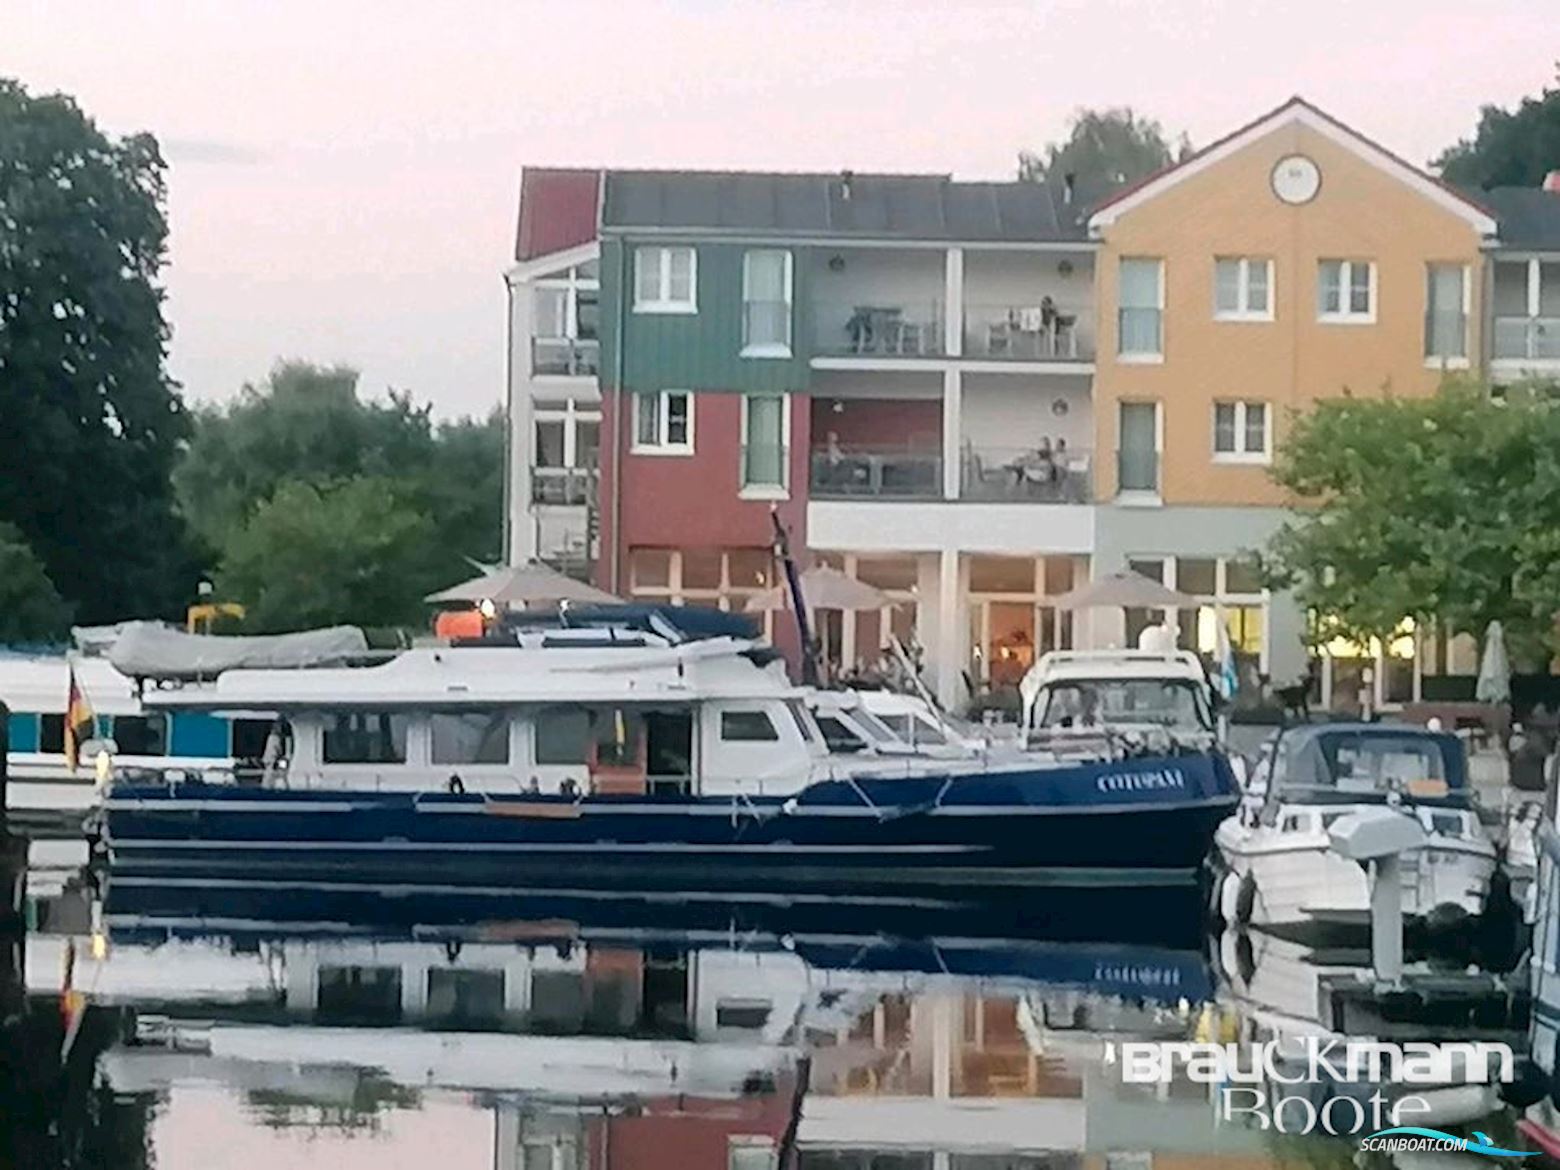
(307, 426)
(1104, 150)
(30, 607)
(352, 551)
(1441, 509)
(1511, 148)
(92, 422)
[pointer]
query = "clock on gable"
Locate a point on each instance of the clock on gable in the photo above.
(1296, 179)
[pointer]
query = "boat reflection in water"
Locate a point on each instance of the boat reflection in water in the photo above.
(579, 1031)
(617, 1032)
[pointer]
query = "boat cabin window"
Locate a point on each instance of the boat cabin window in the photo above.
(359, 996)
(874, 728)
(562, 735)
(1173, 703)
(669, 750)
(51, 734)
(141, 735)
(469, 737)
(747, 727)
(916, 729)
(466, 999)
(366, 737)
(802, 719)
(249, 736)
(746, 1014)
(837, 737)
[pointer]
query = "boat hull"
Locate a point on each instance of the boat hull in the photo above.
(1133, 822)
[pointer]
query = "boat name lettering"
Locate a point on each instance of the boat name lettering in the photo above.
(1153, 778)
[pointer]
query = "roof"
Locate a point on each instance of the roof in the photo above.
(840, 205)
(1529, 217)
(1295, 110)
(1061, 665)
(557, 210)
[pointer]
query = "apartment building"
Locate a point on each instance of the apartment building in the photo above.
(977, 395)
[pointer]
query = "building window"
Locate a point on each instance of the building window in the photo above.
(766, 303)
(665, 280)
(1241, 432)
(713, 577)
(663, 423)
(564, 321)
(1346, 291)
(1139, 327)
(764, 449)
(1446, 314)
(1138, 466)
(1243, 288)
(1227, 589)
(141, 735)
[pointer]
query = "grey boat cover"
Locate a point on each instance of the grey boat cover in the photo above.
(153, 650)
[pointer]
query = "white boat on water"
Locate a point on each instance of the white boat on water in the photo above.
(1278, 868)
(1081, 702)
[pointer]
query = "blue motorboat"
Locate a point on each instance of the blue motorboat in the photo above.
(628, 754)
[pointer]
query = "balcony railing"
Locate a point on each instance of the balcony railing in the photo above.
(1027, 475)
(578, 357)
(860, 329)
(1446, 334)
(563, 485)
(1137, 471)
(1139, 332)
(1527, 338)
(902, 473)
(1024, 333)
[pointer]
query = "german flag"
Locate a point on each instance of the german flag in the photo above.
(79, 721)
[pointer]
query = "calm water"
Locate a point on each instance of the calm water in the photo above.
(203, 1027)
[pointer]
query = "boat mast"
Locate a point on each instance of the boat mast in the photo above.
(798, 604)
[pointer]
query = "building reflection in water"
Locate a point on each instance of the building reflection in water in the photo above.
(575, 1043)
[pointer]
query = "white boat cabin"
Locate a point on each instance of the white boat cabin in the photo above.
(581, 711)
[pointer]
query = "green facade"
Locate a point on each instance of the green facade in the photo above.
(695, 351)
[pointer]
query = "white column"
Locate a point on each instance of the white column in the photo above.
(521, 545)
(953, 302)
(1535, 288)
(949, 652)
(953, 432)
(850, 653)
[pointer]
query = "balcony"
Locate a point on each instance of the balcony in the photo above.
(565, 356)
(1034, 333)
(1137, 471)
(883, 473)
(1026, 475)
(1527, 339)
(563, 485)
(885, 329)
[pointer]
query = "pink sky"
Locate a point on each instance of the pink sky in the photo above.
(344, 172)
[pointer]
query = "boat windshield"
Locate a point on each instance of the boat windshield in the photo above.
(1366, 764)
(1177, 704)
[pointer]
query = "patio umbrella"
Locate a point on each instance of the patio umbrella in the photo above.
(532, 583)
(1126, 589)
(1494, 683)
(824, 588)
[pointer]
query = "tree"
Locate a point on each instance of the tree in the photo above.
(1104, 150)
(92, 421)
(30, 607)
(1439, 509)
(1515, 148)
(353, 551)
(308, 424)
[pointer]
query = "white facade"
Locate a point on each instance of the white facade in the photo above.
(554, 406)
